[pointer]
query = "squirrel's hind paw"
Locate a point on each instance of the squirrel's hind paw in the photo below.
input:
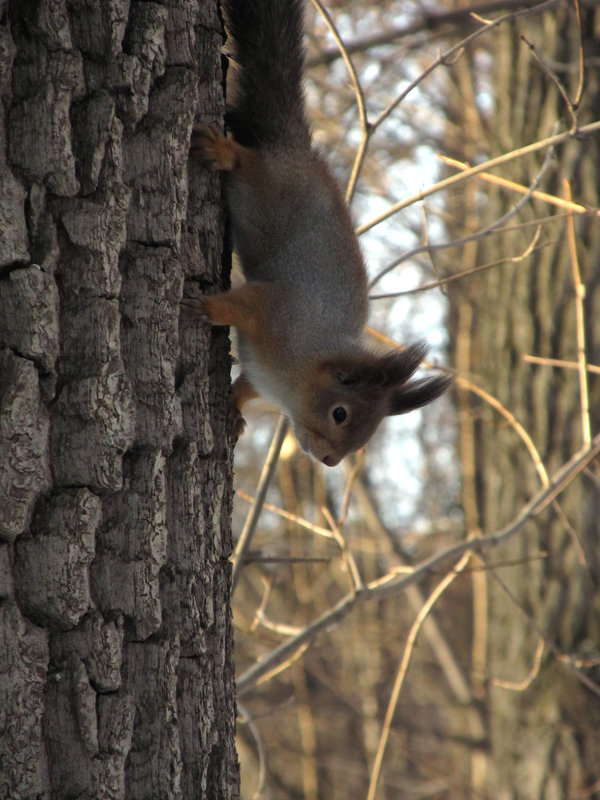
(210, 146)
(196, 306)
(236, 424)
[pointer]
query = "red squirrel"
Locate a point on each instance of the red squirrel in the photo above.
(301, 313)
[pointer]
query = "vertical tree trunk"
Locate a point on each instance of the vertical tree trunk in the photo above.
(544, 737)
(116, 674)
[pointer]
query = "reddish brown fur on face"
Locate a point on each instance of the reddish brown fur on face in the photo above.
(369, 387)
(321, 393)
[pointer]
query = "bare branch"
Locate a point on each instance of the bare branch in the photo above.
(455, 52)
(560, 202)
(295, 518)
(557, 362)
(428, 21)
(403, 668)
(285, 653)
(520, 152)
(360, 101)
(498, 223)
(531, 248)
(353, 571)
(555, 80)
(579, 312)
(558, 654)
(260, 749)
(521, 686)
(261, 492)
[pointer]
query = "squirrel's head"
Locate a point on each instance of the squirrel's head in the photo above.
(347, 397)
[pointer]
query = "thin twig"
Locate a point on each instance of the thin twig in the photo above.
(520, 152)
(282, 665)
(403, 668)
(555, 80)
(557, 362)
(480, 234)
(521, 686)
(554, 649)
(518, 187)
(427, 22)
(580, 318)
(261, 492)
(455, 52)
(260, 749)
(304, 523)
(281, 628)
(572, 533)
(358, 458)
(334, 533)
(581, 83)
(256, 559)
(353, 571)
(531, 248)
(360, 101)
(268, 584)
(280, 656)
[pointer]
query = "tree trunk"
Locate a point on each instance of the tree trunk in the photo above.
(543, 736)
(116, 673)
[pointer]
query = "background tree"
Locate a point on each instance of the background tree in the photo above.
(543, 304)
(116, 675)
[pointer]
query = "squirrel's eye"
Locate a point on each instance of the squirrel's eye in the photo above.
(339, 414)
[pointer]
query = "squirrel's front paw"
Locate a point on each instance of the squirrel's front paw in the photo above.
(210, 146)
(196, 306)
(236, 424)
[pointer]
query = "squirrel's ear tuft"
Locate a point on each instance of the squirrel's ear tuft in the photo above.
(369, 371)
(417, 394)
(399, 365)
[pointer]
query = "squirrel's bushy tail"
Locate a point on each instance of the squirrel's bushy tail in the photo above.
(265, 103)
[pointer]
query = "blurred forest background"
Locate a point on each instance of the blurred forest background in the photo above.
(424, 621)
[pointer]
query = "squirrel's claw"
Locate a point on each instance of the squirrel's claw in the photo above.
(202, 134)
(196, 306)
(236, 424)
(210, 146)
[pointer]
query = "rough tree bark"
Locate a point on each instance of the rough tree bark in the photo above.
(116, 675)
(543, 739)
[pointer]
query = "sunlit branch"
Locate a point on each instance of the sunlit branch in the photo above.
(261, 492)
(403, 669)
(521, 686)
(557, 362)
(285, 653)
(480, 234)
(552, 199)
(580, 321)
(452, 180)
(360, 101)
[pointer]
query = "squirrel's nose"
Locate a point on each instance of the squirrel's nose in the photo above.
(330, 461)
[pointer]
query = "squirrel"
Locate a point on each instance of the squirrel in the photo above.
(301, 313)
